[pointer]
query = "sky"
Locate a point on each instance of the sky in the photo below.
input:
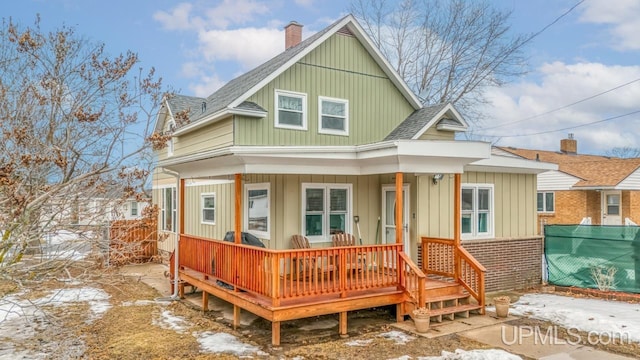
(583, 78)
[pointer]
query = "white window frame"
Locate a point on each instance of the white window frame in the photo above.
(302, 96)
(171, 127)
(322, 130)
(474, 212)
(257, 186)
(133, 206)
(174, 211)
(202, 208)
(326, 236)
(544, 202)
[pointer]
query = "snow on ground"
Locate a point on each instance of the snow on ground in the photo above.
(359, 342)
(168, 320)
(612, 318)
(398, 336)
(97, 299)
(490, 354)
(212, 342)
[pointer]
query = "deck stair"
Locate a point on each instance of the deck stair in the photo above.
(448, 300)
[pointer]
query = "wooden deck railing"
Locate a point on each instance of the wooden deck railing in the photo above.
(442, 257)
(294, 273)
(413, 281)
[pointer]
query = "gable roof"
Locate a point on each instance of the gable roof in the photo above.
(235, 92)
(593, 170)
(421, 120)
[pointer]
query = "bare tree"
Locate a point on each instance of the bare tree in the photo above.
(73, 122)
(625, 152)
(446, 50)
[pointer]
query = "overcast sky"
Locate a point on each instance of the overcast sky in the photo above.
(196, 46)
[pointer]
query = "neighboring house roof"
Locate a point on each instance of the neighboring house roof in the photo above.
(233, 95)
(422, 119)
(593, 170)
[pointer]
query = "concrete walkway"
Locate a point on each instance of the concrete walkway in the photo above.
(489, 329)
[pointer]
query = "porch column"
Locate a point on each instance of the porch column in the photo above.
(238, 209)
(457, 219)
(181, 208)
(399, 208)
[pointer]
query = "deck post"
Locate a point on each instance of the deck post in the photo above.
(236, 316)
(457, 219)
(275, 333)
(238, 208)
(181, 207)
(205, 301)
(342, 318)
(399, 208)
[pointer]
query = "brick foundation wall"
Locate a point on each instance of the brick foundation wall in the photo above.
(510, 263)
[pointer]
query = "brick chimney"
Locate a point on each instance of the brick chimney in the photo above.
(569, 146)
(292, 35)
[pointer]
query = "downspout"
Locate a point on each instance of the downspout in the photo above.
(176, 279)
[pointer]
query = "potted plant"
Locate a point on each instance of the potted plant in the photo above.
(502, 305)
(421, 318)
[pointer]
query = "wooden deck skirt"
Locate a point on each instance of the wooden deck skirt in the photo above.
(279, 285)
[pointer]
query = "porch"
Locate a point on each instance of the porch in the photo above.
(277, 285)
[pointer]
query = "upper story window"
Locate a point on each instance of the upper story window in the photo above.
(546, 202)
(333, 116)
(477, 211)
(291, 110)
(169, 209)
(134, 208)
(326, 209)
(170, 129)
(257, 214)
(208, 208)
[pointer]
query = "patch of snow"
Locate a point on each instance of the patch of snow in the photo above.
(142, 303)
(398, 336)
(403, 357)
(12, 354)
(610, 318)
(489, 354)
(97, 299)
(359, 342)
(172, 322)
(212, 342)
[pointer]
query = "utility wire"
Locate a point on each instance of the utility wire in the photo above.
(562, 107)
(567, 128)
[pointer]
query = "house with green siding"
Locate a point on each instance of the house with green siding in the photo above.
(326, 138)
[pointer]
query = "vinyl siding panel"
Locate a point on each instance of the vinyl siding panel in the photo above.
(632, 182)
(224, 219)
(555, 180)
(214, 136)
(339, 68)
(434, 134)
(435, 207)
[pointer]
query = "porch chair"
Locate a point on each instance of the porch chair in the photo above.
(309, 265)
(355, 261)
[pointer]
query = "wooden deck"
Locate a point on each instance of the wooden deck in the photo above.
(279, 285)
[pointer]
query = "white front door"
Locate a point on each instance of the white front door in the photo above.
(389, 217)
(611, 209)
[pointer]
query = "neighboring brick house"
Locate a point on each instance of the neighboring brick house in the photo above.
(594, 189)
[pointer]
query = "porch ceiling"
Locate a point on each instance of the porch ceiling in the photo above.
(407, 156)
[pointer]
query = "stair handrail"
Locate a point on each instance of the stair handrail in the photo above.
(477, 277)
(414, 281)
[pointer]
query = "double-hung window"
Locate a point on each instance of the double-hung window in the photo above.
(326, 210)
(291, 110)
(546, 202)
(134, 208)
(256, 218)
(169, 209)
(334, 116)
(208, 202)
(477, 211)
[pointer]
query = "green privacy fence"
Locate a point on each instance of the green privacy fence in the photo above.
(590, 256)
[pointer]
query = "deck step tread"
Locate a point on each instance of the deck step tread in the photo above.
(447, 297)
(454, 309)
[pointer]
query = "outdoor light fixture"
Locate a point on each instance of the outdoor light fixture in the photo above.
(436, 178)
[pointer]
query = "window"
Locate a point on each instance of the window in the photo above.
(208, 202)
(134, 208)
(334, 116)
(256, 219)
(326, 210)
(291, 110)
(477, 210)
(169, 209)
(546, 202)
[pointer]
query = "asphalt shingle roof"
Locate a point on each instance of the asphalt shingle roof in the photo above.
(593, 170)
(414, 122)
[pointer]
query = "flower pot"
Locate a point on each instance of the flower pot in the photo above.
(502, 306)
(422, 323)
